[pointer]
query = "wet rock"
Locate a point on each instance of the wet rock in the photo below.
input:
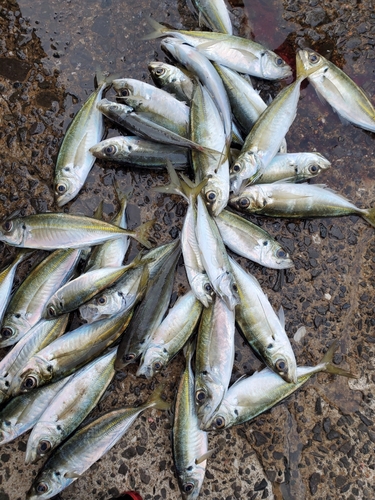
(314, 481)
(316, 17)
(14, 69)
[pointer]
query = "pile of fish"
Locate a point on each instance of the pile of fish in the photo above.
(223, 147)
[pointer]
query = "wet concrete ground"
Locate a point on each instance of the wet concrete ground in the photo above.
(319, 443)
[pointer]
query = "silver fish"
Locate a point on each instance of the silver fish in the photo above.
(214, 14)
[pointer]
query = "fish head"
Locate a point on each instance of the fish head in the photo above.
(67, 184)
(224, 417)
(203, 289)
(44, 438)
(249, 199)
(311, 165)
(113, 109)
(311, 64)
(38, 371)
(190, 480)
(53, 308)
(107, 149)
(246, 169)
(209, 392)
(128, 87)
(273, 67)
(273, 255)
(153, 360)
(106, 304)
(13, 231)
(172, 46)
(47, 484)
(161, 73)
(280, 356)
(13, 328)
(226, 287)
(216, 196)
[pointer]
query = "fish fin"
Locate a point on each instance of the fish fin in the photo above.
(281, 316)
(174, 186)
(206, 46)
(159, 30)
(343, 120)
(141, 232)
(205, 456)
(81, 152)
(369, 216)
(98, 214)
(283, 147)
(331, 368)
(155, 400)
(189, 350)
(72, 475)
(333, 89)
(190, 189)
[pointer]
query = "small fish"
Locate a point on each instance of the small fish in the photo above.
(6, 281)
(250, 396)
(214, 14)
(86, 446)
(140, 152)
(49, 231)
(74, 160)
(297, 200)
(189, 442)
(172, 79)
(335, 87)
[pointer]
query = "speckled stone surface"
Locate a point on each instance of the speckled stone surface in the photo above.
(319, 443)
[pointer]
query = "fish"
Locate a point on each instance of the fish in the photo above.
(251, 396)
(70, 351)
(70, 406)
(86, 446)
(214, 256)
(214, 358)
(189, 442)
(48, 231)
(240, 54)
(214, 14)
(26, 306)
(297, 200)
(140, 152)
(261, 327)
(74, 160)
(171, 335)
(251, 241)
(6, 281)
(335, 87)
(294, 167)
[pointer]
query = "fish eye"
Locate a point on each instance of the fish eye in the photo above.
(188, 487)
(244, 202)
(157, 365)
(6, 333)
(129, 357)
(110, 150)
(41, 488)
(44, 447)
(313, 169)
(280, 365)
(30, 382)
(51, 311)
(314, 58)
(208, 287)
(8, 226)
(219, 422)
(211, 196)
(102, 300)
(279, 61)
(61, 188)
(281, 253)
(265, 243)
(236, 167)
(159, 71)
(125, 92)
(235, 287)
(200, 397)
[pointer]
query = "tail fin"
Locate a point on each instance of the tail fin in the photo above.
(141, 233)
(331, 368)
(175, 186)
(159, 30)
(369, 216)
(98, 214)
(155, 400)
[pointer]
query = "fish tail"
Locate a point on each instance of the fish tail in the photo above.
(369, 216)
(159, 30)
(140, 234)
(155, 400)
(190, 189)
(98, 214)
(329, 367)
(174, 186)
